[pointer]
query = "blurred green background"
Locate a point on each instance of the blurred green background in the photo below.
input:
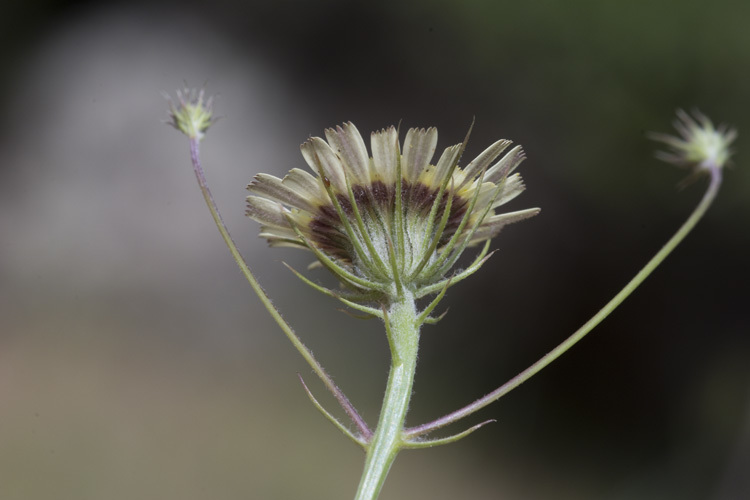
(135, 362)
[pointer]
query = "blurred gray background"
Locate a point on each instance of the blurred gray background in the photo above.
(135, 362)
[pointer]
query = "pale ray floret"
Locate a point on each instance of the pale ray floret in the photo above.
(348, 144)
(506, 165)
(419, 148)
(482, 162)
(384, 146)
(392, 219)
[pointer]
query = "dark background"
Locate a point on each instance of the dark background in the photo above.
(135, 362)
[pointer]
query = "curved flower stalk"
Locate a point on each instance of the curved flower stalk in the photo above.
(391, 226)
(192, 115)
(703, 149)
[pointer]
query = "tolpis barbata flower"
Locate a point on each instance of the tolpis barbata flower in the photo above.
(389, 221)
(700, 146)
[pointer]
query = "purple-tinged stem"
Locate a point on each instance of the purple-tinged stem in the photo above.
(364, 430)
(687, 226)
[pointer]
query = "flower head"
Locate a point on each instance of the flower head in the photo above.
(191, 115)
(701, 146)
(389, 220)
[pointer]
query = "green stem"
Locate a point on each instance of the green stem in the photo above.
(403, 333)
(605, 311)
(265, 300)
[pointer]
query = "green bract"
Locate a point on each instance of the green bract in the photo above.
(390, 220)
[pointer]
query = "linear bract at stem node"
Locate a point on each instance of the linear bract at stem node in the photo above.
(391, 225)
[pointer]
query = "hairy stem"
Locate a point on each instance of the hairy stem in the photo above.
(403, 334)
(532, 370)
(275, 314)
